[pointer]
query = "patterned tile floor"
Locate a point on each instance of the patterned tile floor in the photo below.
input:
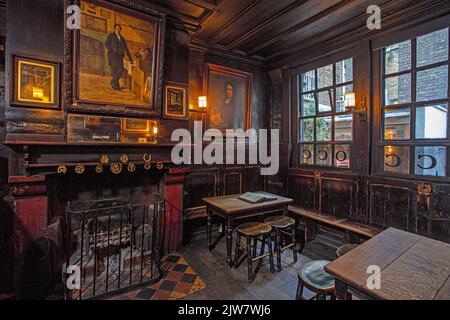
(178, 281)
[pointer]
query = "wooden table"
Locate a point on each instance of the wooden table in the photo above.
(412, 268)
(230, 208)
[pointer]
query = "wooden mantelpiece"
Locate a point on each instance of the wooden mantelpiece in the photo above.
(38, 157)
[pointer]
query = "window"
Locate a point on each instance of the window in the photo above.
(415, 88)
(325, 127)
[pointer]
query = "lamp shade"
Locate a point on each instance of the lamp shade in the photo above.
(350, 100)
(202, 103)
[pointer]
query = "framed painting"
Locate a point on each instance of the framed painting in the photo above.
(117, 59)
(175, 101)
(229, 95)
(36, 83)
(146, 129)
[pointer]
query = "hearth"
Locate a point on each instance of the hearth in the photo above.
(112, 245)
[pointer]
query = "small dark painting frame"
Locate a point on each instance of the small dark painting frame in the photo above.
(176, 88)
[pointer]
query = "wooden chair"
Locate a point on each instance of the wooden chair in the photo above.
(283, 225)
(254, 231)
(314, 277)
(346, 248)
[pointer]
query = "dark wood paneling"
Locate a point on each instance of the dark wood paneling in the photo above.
(42, 38)
(302, 188)
(208, 181)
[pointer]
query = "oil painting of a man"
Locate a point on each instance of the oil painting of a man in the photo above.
(228, 96)
(116, 57)
(117, 49)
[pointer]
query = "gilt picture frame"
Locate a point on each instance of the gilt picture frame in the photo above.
(176, 101)
(114, 63)
(35, 83)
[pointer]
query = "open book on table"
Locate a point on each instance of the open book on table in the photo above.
(255, 197)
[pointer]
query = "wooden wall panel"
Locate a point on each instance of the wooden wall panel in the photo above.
(338, 197)
(42, 38)
(208, 181)
(302, 188)
(390, 206)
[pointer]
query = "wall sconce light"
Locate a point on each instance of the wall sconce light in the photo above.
(350, 100)
(351, 105)
(202, 102)
(155, 130)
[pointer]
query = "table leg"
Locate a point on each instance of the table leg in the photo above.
(208, 229)
(285, 210)
(229, 243)
(341, 290)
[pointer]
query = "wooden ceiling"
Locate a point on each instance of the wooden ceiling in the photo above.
(272, 30)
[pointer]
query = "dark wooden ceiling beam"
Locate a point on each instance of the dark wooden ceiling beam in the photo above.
(409, 15)
(210, 5)
(302, 24)
(327, 33)
(232, 21)
(235, 43)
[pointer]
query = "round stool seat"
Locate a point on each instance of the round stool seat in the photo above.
(314, 274)
(253, 229)
(279, 222)
(345, 249)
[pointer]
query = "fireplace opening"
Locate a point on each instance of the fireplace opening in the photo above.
(112, 245)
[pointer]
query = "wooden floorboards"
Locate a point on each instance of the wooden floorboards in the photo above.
(223, 283)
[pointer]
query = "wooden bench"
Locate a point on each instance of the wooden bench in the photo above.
(355, 230)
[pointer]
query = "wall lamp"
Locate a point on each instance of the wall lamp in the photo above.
(351, 104)
(202, 102)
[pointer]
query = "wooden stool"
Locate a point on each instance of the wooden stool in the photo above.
(252, 231)
(346, 248)
(314, 277)
(283, 225)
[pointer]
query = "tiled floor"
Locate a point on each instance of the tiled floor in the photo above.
(179, 280)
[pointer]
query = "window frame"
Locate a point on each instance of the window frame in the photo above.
(296, 112)
(379, 76)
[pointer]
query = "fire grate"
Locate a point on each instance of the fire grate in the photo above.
(112, 246)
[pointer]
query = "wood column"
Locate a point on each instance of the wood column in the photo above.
(30, 217)
(173, 192)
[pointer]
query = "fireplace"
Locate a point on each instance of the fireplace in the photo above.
(112, 245)
(78, 211)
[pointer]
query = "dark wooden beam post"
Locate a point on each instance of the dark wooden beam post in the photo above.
(173, 193)
(30, 217)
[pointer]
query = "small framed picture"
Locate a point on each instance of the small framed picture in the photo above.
(175, 102)
(146, 129)
(36, 83)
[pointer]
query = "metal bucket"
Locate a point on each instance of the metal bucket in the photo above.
(37, 270)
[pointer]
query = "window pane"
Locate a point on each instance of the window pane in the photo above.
(344, 71)
(308, 105)
(325, 99)
(432, 48)
(343, 128)
(396, 159)
(308, 82)
(340, 97)
(342, 156)
(430, 161)
(307, 154)
(397, 124)
(398, 90)
(432, 84)
(323, 156)
(398, 57)
(431, 122)
(325, 75)
(323, 129)
(307, 130)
